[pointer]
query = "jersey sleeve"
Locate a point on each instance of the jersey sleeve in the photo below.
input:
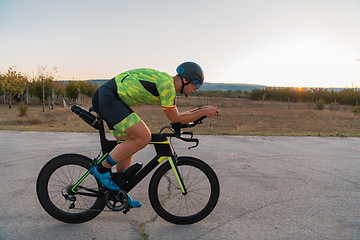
(167, 93)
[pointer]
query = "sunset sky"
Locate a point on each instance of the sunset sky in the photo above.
(308, 43)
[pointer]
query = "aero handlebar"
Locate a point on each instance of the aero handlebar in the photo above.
(178, 133)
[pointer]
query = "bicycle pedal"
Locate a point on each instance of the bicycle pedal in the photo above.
(127, 209)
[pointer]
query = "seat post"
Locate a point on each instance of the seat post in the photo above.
(106, 145)
(100, 123)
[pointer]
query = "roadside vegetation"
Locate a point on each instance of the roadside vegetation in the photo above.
(43, 105)
(17, 87)
(239, 116)
(349, 96)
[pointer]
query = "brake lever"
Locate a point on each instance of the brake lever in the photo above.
(190, 140)
(197, 144)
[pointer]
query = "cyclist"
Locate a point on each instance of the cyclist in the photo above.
(114, 99)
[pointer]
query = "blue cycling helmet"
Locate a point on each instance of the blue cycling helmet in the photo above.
(192, 73)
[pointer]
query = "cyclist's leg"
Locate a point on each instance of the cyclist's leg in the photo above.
(138, 137)
(125, 125)
(114, 111)
(125, 164)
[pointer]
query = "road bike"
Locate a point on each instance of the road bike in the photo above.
(182, 190)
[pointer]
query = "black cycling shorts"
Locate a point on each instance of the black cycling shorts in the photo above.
(115, 112)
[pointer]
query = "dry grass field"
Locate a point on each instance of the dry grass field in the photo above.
(238, 117)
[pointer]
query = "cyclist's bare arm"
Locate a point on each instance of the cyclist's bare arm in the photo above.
(196, 109)
(192, 115)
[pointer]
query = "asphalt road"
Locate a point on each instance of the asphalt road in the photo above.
(271, 188)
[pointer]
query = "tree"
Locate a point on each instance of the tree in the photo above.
(13, 83)
(45, 80)
(72, 89)
(85, 87)
(40, 92)
(2, 82)
(59, 87)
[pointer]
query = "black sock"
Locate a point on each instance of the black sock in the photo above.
(101, 169)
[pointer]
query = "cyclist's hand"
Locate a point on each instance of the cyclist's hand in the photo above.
(210, 111)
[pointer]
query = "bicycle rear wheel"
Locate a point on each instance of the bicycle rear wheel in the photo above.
(54, 185)
(202, 187)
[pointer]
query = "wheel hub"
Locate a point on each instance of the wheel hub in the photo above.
(69, 190)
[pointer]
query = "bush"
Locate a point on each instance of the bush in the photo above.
(356, 110)
(320, 105)
(23, 109)
(332, 106)
(72, 89)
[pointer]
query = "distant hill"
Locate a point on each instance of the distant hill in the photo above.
(230, 87)
(210, 86)
(221, 86)
(98, 81)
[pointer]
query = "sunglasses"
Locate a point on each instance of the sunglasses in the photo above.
(197, 83)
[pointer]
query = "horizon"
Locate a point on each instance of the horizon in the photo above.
(234, 83)
(274, 43)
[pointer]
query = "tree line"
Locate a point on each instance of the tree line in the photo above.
(350, 96)
(17, 86)
(222, 94)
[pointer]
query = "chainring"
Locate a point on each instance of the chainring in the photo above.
(116, 200)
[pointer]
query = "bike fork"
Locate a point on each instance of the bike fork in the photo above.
(177, 175)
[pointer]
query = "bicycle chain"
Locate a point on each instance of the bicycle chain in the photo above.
(103, 210)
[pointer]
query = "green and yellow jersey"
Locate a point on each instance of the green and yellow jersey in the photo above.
(146, 85)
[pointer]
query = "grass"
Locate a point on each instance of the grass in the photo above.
(356, 110)
(238, 117)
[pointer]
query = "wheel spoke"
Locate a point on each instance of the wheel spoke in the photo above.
(201, 195)
(54, 189)
(64, 177)
(193, 204)
(193, 180)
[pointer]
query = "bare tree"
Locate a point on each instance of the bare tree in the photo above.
(45, 79)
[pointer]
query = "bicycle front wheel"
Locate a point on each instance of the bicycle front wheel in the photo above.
(54, 184)
(202, 191)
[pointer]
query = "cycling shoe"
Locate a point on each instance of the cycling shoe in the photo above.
(133, 203)
(104, 178)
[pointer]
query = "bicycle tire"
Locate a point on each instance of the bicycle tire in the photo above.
(61, 173)
(202, 186)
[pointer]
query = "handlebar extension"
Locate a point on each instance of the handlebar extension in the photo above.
(177, 126)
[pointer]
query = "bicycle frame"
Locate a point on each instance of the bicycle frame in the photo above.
(163, 151)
